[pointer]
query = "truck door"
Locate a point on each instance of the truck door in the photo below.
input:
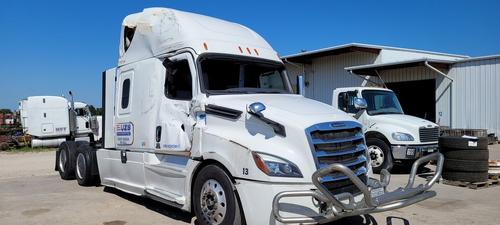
(165, 176)
(82, 121)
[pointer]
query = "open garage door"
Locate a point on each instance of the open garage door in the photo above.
(418, 98)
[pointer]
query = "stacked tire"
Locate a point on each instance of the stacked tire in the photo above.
(466, 159)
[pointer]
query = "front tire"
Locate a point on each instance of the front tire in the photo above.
(380, 155)
(214, 199)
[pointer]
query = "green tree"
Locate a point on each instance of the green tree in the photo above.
(95, 111)
(5, 111)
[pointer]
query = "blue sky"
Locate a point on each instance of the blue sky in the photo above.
(50, 47)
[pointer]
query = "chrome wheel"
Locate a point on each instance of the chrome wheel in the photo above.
(213, 202)
(376, 155)
(80, 165)
(63, 158)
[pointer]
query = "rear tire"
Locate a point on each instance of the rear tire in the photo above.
(380, 155)
(66, 160)
(82, 171)
(214, 199)
(84, 163)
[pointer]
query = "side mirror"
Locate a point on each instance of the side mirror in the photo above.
(360, 103)
(256, 108)
(301, 85)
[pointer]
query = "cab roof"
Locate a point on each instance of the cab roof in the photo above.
(157, 31)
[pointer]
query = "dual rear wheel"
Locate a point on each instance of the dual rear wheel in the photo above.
(74, 160)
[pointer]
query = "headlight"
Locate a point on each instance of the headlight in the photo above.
(275, 166)
(398, 136)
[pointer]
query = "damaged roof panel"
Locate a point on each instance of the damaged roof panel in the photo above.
(161, 30)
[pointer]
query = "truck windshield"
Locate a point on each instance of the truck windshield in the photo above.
(230, 76)
(381, 102)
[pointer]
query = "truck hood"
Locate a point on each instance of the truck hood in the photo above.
(284, 108)
(294, 112)
(402, 120)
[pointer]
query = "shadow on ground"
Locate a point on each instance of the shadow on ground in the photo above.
(370, 220)
(186, 217)
(156, 206)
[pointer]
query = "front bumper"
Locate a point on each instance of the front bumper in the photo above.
(376, 198)
(413, 151)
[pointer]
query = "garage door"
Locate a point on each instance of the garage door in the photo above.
(418, 98)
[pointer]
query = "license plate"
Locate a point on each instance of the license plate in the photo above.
(377, 192)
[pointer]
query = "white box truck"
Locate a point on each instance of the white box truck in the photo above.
(51, 120)
(392, 137)
(199, 114)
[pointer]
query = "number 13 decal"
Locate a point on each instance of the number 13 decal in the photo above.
(245, 171)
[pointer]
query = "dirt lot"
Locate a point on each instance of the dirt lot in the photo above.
(32, 193)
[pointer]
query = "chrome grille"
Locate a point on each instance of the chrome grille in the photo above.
(429, 134)
(339, 142)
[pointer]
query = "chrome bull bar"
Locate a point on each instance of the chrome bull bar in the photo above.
(344, 205)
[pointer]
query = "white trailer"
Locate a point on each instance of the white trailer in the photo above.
(199, 114)
(392, 137)
(48, 119)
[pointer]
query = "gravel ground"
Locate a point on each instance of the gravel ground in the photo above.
(31, 192)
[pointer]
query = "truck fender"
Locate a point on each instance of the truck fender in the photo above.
(378, 135)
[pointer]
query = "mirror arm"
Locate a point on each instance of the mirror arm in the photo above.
(359, 113)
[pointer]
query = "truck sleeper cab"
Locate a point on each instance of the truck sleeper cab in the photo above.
(199, 114)
(392, 137)
(51, 120)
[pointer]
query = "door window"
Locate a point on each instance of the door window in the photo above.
(125, 93)
(346, 101)
(178, 83)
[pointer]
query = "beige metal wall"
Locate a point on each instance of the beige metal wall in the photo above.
(325, 74)
(476, 94)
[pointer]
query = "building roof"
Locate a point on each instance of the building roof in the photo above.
(488, 57)
(306, 57)
(371, 69)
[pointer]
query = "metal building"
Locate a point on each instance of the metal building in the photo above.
(452, 90)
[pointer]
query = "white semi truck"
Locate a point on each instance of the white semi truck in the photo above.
(199, 114)
(51, 120)
(392, 137)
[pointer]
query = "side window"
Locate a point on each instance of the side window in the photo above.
(346, 101)
(128, 35)
(271, 80)
(125, 93)
(178, 83)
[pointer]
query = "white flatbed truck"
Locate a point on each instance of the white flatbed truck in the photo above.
(199, 114)
(392, 137)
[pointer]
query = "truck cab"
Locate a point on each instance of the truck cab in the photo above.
(391, 136)
(199, 114)
(83, 119)
(51, 120)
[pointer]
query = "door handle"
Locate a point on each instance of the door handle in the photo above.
(123, 154)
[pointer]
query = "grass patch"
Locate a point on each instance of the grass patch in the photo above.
(29, 149)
